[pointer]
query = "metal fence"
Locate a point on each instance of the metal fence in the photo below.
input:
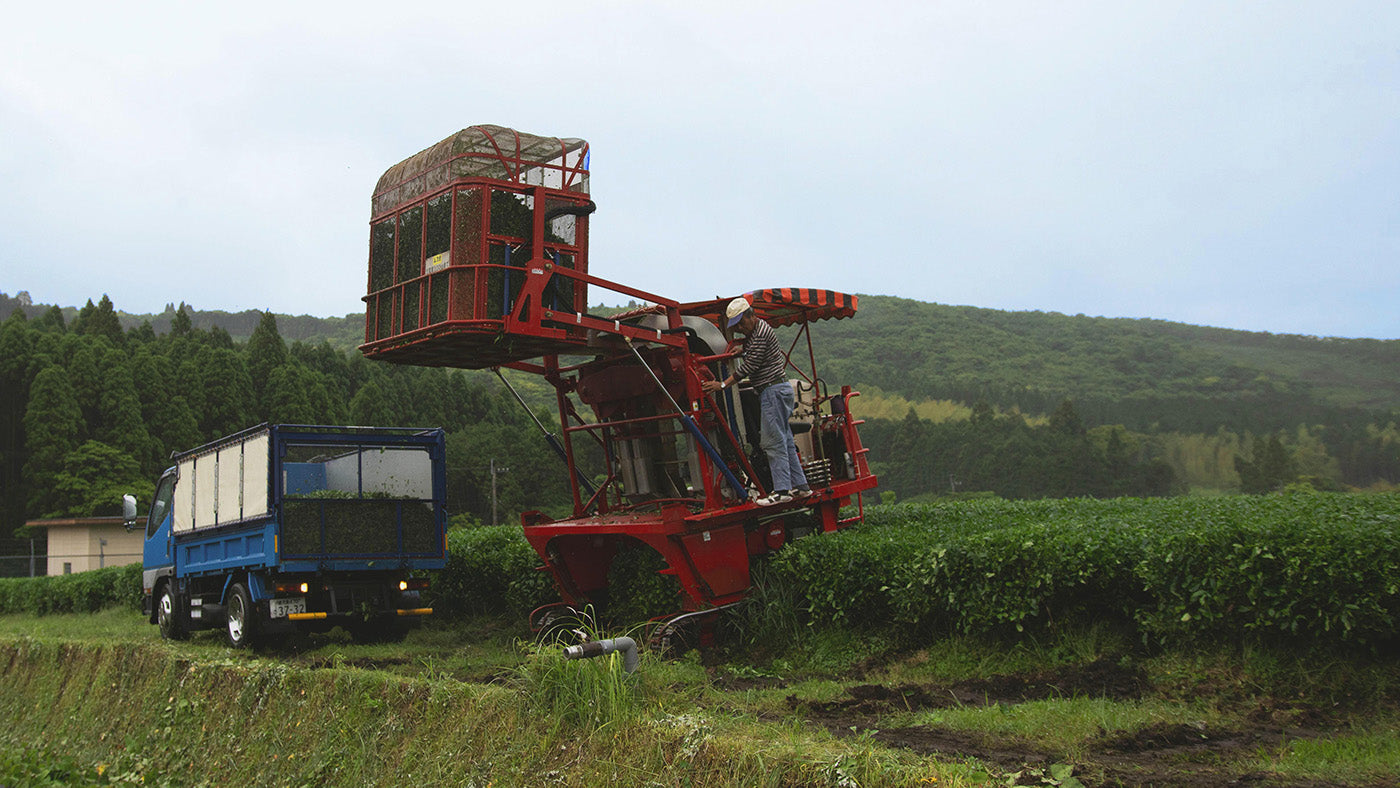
(38, 563)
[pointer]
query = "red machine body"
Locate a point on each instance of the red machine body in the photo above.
(497, 276)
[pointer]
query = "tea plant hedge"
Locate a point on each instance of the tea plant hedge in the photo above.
(1307, 568)
(490, 569)
(83, 592)
(1310, 568)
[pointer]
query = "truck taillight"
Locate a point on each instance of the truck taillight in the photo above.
(414, 584)
(291, 588)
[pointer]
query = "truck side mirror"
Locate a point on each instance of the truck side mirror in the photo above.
(129, 511)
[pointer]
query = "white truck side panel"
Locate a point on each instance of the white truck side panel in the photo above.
(399, 473)
(343, 473)
(205, 489)
(228, 504)
(257, 495)
(223, 486)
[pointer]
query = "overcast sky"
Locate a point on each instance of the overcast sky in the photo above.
(1221, 163)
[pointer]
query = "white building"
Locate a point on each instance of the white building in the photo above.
(77, 544)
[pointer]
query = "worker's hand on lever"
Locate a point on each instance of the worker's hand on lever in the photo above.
(711, 386)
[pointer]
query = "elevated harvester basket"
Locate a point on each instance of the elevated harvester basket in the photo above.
(472, 242)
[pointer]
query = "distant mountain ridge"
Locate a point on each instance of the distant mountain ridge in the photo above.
(343, 333)
(1143, 373)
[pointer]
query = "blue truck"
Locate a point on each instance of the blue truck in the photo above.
(287, 527)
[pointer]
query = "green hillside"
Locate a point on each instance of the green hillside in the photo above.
(1133, 372)
(957, 399)
(1139, 373)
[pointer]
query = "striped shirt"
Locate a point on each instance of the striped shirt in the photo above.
(763, 362)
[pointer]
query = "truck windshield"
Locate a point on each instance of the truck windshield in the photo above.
(160, 507)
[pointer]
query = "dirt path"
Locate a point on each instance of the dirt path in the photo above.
(1156, 755)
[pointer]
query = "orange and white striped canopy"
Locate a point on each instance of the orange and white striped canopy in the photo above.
(783, 306)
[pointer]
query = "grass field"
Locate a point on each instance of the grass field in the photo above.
(100, 699)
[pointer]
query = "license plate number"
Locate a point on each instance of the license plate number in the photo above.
(281, 607)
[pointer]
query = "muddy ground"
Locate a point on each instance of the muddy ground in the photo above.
(1156, 756)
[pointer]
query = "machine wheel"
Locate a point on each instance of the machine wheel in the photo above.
(242, 618)
(676, 635)
(549, 621)
(672, 636)
(167, 618)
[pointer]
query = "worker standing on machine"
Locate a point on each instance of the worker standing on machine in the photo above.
(763, 364)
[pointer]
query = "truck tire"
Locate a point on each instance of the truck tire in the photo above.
(240, 628)
(168, 614)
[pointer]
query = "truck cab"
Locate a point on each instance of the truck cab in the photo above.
(157, 554)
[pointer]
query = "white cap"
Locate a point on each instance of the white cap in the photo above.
(736, 310)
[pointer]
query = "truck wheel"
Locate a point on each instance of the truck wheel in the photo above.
(167, 618)
(242, 619)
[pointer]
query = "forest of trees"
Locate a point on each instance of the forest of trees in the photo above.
(1143, 374)
(93, 401)
(1013, 459)
(1196, 399)
(89, 411)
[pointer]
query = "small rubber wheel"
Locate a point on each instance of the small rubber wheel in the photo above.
(241, 627)
(167, 617)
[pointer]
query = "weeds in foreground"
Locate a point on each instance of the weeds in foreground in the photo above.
(589, 694)
(529, 717)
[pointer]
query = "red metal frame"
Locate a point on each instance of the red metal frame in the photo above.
(679, 473)
(708, 538)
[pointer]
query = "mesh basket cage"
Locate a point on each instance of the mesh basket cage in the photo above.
(452, 230)
(492, 152)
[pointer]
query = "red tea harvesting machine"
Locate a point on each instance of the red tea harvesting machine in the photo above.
(478, 259)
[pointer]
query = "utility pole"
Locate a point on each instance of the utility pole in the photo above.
(101, 554)
(495, 471)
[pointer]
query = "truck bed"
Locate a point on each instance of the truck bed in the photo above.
(251, 546)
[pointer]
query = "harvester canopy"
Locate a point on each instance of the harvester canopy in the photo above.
(485, 151)
(783, 306)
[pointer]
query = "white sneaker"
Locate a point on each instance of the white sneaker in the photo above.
(798, 492)
(773, 498)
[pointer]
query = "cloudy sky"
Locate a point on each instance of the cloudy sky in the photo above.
(1228, 164)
